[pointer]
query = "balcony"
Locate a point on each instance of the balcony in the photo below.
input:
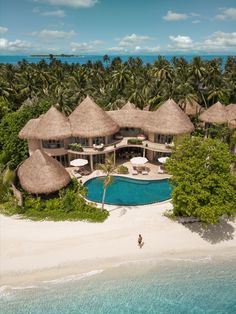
(121, 144)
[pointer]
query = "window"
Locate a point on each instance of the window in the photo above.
(99, 140)
(53, 144)
(80, 140)
(162, 139)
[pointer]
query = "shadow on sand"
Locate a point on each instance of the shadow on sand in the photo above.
(223, 231)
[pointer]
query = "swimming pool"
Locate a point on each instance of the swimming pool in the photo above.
(128, 191)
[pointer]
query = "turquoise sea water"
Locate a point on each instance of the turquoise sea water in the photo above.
(122, 188)
(13, 59)
(191, 286)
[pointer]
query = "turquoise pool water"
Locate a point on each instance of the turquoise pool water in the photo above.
(127, 191)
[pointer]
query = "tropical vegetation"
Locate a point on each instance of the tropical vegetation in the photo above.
(69, 204)
(107, 168)
(204, 186)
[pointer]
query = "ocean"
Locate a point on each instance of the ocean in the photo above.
(82, 59)
(189, 285)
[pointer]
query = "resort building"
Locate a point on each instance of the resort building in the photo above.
(92, 133)
(42, 174)
(219, 114)
(192, 108)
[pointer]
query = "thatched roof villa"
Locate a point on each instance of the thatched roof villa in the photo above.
(42, 174)
(231, 115)
(215, 114)
(191, 108)
(129, 106)
(220, 114)
(92, 127)
(89, 120)
(169, 119)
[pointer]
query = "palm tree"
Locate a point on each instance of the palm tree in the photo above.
(108, 168)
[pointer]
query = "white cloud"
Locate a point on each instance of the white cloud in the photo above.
(36, 10)
(133, 39)
(182, 42)
(47, 35)
(227, 14)
(57, 13)
(196, 21)
(173, 16)
(86, 47)
(117, 49)
(216, 42)
(71, 3)
(147, 49)
(17, 45)
(220, 41)
(3, 29)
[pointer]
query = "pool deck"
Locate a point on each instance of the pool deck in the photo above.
(152, 175)
(152, 172)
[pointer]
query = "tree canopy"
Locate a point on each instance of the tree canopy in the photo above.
(203, 185)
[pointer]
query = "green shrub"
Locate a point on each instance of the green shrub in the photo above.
(68, 205)
(122, 170)
(76, 147)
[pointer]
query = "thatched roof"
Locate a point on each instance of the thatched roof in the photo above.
(215, 114)
(146, 108)
(28, 131)
(89, 120)
(129, 106)
(130, 118)
(231, 115)
(53, 125)
(169, 119)
(191, 108)
(231, 111)
(42, 174)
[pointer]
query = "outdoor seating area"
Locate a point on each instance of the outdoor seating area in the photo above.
(98, 146)
(140, 170)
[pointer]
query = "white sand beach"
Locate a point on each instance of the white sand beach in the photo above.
(36, 251)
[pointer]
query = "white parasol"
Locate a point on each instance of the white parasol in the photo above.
(79, 162)
(163, 160)
(138, 160)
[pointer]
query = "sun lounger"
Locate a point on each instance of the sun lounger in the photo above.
(76, 174)
(144, 172)
(134, 172)
(161, 171)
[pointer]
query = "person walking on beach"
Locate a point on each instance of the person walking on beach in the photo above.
(140, 240)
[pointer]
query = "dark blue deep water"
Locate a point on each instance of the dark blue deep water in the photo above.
(127, 191)
(13, 59)
(181, 286)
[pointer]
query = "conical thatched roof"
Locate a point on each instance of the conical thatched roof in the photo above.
(53, 125)
(231, 111)
(215, 114)
(191, 108)
(29, 130)
(146, 108)
(128, 106)
(42, 174)
(169, 119)
(89, 120)
(130, 118)
(231, 115)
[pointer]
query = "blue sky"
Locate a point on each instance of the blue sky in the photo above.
(117, 26)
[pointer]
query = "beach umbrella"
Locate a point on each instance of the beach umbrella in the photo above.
(79, 162)
(163, 160)
(138, 160)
